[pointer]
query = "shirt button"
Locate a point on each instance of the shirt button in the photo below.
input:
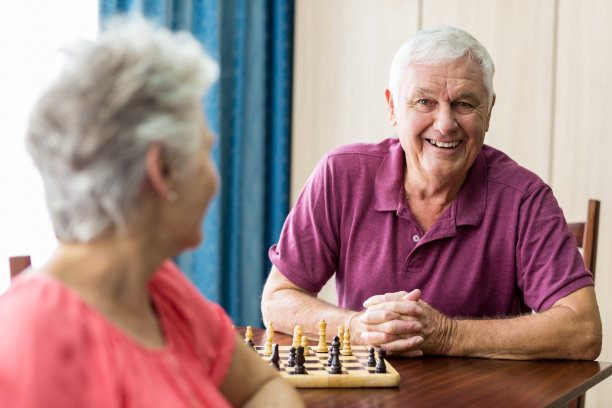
(416, 238)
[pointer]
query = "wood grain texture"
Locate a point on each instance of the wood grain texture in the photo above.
(461, 382)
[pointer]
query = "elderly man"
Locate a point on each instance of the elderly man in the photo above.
(441, 245)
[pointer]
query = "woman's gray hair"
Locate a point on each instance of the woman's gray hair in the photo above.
(135, 85)
(438, 45)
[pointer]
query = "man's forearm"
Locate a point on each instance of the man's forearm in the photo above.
(287, 308)
(559, 332)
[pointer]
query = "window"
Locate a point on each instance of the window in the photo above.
(31, 33)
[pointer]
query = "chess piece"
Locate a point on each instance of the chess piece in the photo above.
(346, 344)
(336, 368)
(275, 357)
(380, 365)
(341, 334)
(269, 337)
(371, 359)
(248, 337)
(299, 362)
(322, 348)
(305, 345)
(330, 356)
(297, 336)
(291, 359)
(334, 348)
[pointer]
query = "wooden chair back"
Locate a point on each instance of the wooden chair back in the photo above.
(586, 234)
(17, 264)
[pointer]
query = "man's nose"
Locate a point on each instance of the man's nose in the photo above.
(445, 120)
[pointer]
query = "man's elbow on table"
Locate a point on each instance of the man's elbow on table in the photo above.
(584, 339)
(277, 298)
(593, 338)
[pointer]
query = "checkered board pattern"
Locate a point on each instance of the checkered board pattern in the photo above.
(355, 372)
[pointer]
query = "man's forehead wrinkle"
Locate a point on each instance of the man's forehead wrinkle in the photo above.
(460, 94)
(424, 91)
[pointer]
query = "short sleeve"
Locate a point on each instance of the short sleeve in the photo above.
(550, 266)
(308, 248)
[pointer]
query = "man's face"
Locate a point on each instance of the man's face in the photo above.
(442, 113)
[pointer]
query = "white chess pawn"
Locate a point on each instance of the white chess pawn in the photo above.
(248, 336)
(322, 348)
(297, 336)
(269, 337)
(305, 345)
(346, 344)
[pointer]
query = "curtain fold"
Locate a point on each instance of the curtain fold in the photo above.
(250, 110)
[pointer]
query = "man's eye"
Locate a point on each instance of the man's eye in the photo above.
(463, 105)
(425, 102)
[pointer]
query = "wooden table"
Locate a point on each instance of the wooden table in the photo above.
(464, 382)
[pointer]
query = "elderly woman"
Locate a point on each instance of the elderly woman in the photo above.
(124, 152)
(440, 244)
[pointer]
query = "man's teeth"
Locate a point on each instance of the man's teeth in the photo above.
(445, 145)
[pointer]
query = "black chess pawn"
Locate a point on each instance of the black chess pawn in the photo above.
(380, 365)
(299, 361)
(336, 368)
(334, 348)
(371, 359)
(275, 357)
(291, 360)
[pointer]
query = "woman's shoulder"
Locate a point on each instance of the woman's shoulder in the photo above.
(37, 307)
(49, 341)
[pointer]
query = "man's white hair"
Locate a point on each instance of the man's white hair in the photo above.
(438, 45)
(135, 85)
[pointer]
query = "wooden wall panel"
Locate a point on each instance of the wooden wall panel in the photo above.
(519, 35)
(343, 50)
(583, 140)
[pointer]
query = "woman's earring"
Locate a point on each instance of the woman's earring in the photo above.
(172, 196)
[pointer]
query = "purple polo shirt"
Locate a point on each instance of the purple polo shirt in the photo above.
(502, 248)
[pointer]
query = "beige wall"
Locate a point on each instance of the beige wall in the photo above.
(553, 63)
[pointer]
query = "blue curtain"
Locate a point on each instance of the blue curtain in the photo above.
(250, 109)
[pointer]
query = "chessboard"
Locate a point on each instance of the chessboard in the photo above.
(355, 372)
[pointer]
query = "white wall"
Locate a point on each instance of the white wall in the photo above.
(31, 32)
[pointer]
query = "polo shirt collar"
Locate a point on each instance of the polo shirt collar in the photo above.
(469, 206)
(389, 182)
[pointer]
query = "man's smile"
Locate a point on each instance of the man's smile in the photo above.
(442, 145)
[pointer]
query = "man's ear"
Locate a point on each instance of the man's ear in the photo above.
(158, 170)
(390, 107)
(489, 114)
